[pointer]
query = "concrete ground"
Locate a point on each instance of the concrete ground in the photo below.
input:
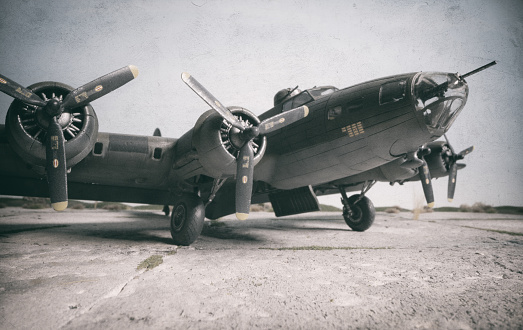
(79, 269)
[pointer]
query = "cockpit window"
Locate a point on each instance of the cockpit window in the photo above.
(319, 92)
(307, 96)
(393, 91)
(297, 101)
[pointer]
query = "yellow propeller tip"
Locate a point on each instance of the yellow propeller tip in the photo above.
(431, 205)
(242, 216)
(60, 206)
(134, 70)
(450, 200)
(185, 76)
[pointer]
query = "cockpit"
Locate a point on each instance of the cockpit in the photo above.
(440, 97)
(293, 98)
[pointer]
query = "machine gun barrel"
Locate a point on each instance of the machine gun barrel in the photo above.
(434, 91)
(486, 66)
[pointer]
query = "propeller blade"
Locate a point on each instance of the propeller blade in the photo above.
(424, 175)
(212, 101)
(283, 119)
(157, 132)
(99, 87)
(454, 167)
(466, 152)
(244, 181)
(23, 94)
(55, 165)
(452, 182)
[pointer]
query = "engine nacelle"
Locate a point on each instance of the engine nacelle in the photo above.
(438, 159)
(213, 142)
(26, 127)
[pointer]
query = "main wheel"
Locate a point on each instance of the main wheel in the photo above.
(363, 213)
(187, 219)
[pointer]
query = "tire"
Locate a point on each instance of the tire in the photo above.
(363, 213)
(187, 219)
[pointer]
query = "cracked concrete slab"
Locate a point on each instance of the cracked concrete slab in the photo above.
(79, 269)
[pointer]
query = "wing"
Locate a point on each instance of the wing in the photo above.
(120, 168)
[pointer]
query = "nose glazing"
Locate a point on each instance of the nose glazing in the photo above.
(440, 97)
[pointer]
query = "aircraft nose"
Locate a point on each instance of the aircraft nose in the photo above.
(440, 97)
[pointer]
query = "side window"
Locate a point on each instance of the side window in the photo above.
(392, 92)
(334, 113)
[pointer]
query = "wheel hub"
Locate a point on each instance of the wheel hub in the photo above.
(179, 214)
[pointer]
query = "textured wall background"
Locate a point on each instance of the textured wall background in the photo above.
(245, 51)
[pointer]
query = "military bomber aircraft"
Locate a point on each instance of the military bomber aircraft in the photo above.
(317, 141)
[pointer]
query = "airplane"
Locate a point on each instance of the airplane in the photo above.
(318, 141)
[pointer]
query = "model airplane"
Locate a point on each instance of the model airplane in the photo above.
(313, 142)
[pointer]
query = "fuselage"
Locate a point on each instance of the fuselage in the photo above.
(359, 128)
(347, 132)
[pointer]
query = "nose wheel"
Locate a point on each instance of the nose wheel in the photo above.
(358, 211)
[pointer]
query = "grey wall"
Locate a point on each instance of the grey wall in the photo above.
(245, 51)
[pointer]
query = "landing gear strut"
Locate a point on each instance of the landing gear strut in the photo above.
(187, 219)
(358, 210)
(166, 210)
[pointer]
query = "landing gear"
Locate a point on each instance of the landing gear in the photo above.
(187, 219)
(358, 210)
(360, 214)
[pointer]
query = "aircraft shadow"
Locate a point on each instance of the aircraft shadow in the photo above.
(228, 233)
(154, 227)
(141, 227)
(235, 230)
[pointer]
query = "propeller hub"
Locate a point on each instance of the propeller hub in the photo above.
(42, 118)
(236, 138)
(53, 107)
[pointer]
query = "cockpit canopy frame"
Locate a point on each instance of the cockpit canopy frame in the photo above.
(307, 96)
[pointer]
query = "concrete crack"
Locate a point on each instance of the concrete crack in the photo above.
(112, 293)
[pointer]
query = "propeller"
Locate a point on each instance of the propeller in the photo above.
(56, 166)
(452, 159)
(425, 178)
(244, 137)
